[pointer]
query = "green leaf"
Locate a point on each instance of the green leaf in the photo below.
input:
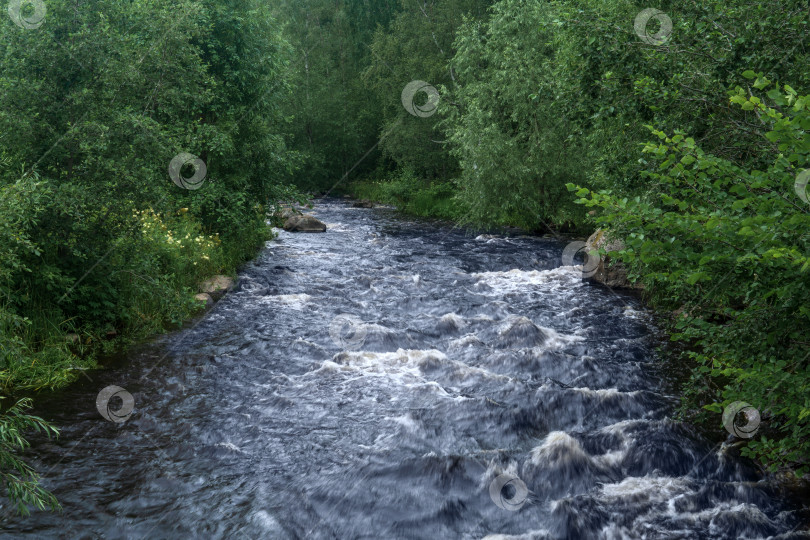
(761, 83)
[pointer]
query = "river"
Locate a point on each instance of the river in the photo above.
(395, 378)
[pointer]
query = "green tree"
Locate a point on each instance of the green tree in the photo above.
(335, 116)
(556, 91)
(417, 46)
(507, 131)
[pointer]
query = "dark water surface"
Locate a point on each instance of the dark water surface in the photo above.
(474, 357)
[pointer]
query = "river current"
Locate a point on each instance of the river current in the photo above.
(395, 378)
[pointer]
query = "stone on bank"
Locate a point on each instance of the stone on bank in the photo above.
(611, 273)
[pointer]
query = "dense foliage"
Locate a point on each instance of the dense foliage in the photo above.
(96, 239)
(728, 248)
(335, 115)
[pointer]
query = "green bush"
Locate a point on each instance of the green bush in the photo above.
(412, 194)
(728, 247)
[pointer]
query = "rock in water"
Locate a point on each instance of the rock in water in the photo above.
(521, 332)
(216, 286)
(304, 223)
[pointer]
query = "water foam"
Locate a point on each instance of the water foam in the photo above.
(517, 280)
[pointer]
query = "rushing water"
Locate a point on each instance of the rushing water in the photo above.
(453, 360)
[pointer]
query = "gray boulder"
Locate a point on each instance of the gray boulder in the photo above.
(304, 223)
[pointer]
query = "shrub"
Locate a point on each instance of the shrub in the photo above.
(729, 246)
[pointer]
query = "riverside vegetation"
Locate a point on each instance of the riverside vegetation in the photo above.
(689, 148)
(95, 239)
